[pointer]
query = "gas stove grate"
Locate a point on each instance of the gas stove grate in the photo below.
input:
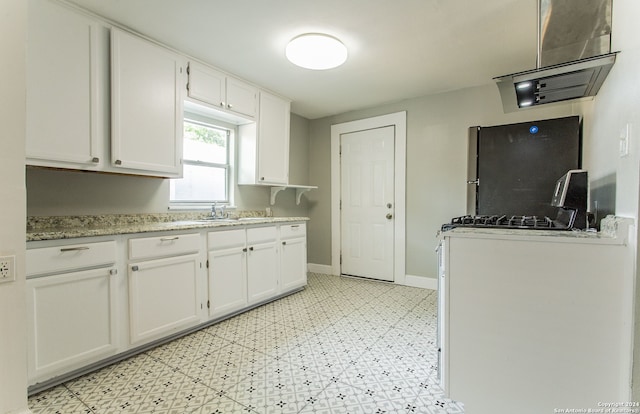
(504, 221)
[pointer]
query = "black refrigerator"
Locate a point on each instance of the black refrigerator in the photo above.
(513, 169)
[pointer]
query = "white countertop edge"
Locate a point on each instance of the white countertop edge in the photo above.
(615, 231)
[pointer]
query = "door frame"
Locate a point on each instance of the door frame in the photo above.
(399, 121)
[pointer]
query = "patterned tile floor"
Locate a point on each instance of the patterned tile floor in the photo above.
(342, 345)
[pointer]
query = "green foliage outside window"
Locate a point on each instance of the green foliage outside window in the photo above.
(200, 133)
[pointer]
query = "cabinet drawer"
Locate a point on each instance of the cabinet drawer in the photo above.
(226, 239)
(71, 257)
(290, 231)
(261, 234)
(169, 245)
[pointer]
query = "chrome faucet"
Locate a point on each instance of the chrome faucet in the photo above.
(218, 213)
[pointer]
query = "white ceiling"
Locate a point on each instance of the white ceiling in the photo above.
(398, 49)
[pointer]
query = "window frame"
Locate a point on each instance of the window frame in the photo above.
(231, 132)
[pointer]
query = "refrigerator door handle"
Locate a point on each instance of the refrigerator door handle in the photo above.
(472, 169)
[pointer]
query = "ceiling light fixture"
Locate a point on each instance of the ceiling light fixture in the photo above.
(316, 51)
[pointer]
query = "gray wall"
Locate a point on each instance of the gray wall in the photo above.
(436, 165)
(617, 105)
(13, 313)
(59, 192)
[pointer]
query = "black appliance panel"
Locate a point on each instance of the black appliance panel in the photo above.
(518, 165)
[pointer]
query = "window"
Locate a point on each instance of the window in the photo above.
(206, 165)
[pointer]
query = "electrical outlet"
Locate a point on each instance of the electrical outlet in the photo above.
(7, 269)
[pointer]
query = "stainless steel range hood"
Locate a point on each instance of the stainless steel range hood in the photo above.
(574, 55)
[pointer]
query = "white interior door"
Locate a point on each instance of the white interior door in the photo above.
(367, 215)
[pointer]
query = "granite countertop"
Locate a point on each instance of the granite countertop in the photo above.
(68, 227)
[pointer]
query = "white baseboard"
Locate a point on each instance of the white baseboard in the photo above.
(318, 268)
(421, 282)
(409, 280)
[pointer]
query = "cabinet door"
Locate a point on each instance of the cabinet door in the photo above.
(63, 79)
(71, 321)
(163, 297)
(262, 272)
(146, 106)
(207, 85)
(227, 281)
(241, 97)
(273, 140)
(293, 264)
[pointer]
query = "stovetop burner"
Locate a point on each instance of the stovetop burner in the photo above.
(504, 221)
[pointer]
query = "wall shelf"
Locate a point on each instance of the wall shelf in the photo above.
(300, 189)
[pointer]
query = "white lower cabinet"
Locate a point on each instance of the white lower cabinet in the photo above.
(91, 302)
(164, 292)
(243, 268)
(293, 256)
(568, 317)
(163, 297)
(227, 271)
(71, 313)
(262, 264)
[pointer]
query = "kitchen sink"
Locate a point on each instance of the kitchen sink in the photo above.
(229, 219)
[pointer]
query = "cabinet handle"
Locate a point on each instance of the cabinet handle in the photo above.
(113, 272)
(118, 162)
(134, 268)
(162, 239)
(251, 248)
(95, 160)
(74, 249)
(261, 178)
(244, 250)
(284, 243)
(295, 226)
(222, 104)
(229, 106)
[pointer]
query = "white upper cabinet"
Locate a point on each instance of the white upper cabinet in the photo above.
(146, 106)
(264, 146)
(103, 99)
(64, 75)
(219, 90)
(241, 97)
(207, 85)
(273, 143)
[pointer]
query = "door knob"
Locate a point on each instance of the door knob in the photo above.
(389, 216)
